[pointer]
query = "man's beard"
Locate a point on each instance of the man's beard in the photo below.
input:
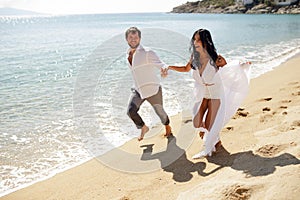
(134, 47)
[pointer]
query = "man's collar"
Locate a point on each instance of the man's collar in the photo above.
(137, 49)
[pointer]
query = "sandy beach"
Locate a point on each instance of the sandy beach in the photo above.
(259, 158)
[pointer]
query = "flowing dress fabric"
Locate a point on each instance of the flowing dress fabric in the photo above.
(230, 84)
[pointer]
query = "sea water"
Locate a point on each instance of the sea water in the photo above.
(43, 60)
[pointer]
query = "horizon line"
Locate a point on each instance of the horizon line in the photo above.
(91, 13)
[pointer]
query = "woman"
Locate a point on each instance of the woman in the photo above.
(218, 90)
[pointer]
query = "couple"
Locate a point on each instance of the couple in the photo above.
(218, 90)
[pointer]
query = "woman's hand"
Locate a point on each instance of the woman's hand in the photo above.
(220, 62)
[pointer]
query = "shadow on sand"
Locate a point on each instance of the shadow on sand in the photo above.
(182, 168)
(252, 164)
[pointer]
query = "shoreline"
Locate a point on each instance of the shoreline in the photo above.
(258, 87)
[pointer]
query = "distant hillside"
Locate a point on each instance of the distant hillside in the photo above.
(13, 11)
(231, 6)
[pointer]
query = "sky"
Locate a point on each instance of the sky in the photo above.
(92, 6)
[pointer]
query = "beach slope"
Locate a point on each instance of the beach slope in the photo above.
(259, 158)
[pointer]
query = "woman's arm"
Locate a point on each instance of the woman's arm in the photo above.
(186, 68)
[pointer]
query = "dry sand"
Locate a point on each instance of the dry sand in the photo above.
(259, 158)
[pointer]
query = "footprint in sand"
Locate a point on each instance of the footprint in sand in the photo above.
(270, 150)
(284, 127)
(296, 93)
(265, 118)
(237, 192)
(266, 109)
(296, 123)
(297, 87)
(286, 101)
(242, 114)
(283, 107)
(241, 109)
(229, 128)
(293, 83)
(266, 99)
(293, 144)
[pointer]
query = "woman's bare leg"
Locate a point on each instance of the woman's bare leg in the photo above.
(213, 107)
(198, 120)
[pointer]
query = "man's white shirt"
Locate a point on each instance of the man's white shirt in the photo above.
(145, 64)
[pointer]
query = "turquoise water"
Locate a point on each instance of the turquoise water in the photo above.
(40, 63)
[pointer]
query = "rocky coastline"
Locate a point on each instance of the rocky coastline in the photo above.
(197, 7)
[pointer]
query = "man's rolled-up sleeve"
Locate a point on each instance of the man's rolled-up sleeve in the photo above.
(152, 58)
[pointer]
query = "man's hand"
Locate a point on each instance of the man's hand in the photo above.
(164, 72)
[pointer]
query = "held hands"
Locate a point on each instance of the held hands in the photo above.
(164, 72)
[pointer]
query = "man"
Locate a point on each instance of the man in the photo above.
(143, 64)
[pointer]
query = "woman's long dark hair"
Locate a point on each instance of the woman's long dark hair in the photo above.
(207, 44)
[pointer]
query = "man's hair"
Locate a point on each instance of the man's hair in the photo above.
(133, 30)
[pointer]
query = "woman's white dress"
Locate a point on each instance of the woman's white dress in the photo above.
(230, 84)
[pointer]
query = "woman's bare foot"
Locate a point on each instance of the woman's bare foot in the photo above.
(168, 131)
(144, 130)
